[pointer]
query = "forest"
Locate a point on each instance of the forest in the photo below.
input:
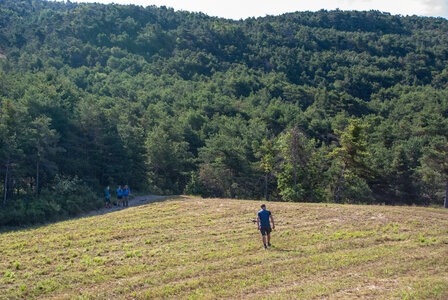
(327, 106)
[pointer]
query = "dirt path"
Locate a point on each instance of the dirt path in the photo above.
(134, 201)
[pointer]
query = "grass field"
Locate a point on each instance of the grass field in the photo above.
(210, 248)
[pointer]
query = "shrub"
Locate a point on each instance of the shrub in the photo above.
(68, 196)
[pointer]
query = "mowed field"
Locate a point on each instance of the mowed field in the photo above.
(209, 248)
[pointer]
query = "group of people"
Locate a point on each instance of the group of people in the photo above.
(122, 196)
(264, 216)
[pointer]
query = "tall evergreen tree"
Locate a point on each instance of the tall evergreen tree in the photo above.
(45, 143)
(436, 159)
(9, 140)
(351, 154)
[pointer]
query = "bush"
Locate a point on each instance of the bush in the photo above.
(293, 194)
(356, 190)
(70, 196)
(194, 186)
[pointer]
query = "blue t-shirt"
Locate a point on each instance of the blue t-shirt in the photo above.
(264, 217)
(119, 192)
(126, 192)
(106, 194)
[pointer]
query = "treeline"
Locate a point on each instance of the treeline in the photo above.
(337, 106)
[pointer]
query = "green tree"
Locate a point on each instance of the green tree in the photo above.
(351, 154)
(167, 159)
(436, 159)
(45, 144)
(9, 139)
(267, 154)
(224, 164)
(299, 172)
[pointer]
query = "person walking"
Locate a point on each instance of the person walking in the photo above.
(119, 195)
(126, 193)
(264, 225)
(107, 196)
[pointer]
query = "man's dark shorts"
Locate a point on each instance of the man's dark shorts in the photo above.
(265, 230)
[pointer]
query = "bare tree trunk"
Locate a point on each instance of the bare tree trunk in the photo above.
(294, 146)
(5, 185)
(10, 185)
(37, 178)
(266, 195)
(340, 184)
(295, 171)
(445, 204)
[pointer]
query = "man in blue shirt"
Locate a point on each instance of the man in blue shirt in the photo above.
(119, 195)
(264, 226)
(126, 192)
(107, 196)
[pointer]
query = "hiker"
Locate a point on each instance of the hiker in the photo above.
(107, 196)
(264, 226)
(119, 195)
(126, 192)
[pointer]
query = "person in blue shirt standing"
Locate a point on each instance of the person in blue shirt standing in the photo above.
(126, 192)
(119, 195)
(107, 196)
(264, 225)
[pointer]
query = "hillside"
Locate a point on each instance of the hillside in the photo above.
(331, 106)
(209, 248)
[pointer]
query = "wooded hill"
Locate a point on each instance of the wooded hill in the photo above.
(338, 106)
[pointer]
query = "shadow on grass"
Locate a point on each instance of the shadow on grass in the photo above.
(285, 250)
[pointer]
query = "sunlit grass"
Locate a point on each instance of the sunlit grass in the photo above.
(210, 248)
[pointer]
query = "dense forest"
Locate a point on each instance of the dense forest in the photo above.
(328, 106)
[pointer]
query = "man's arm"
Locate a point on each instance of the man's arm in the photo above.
(272, 220)
(258, 222)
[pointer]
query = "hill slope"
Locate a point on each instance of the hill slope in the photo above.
(206, 248)
(181, 103)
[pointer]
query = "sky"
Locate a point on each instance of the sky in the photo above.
(242, 9)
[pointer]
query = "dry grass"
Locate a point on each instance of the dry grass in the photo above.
(209, 248)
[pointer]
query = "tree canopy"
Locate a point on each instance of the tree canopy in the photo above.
(340, 106)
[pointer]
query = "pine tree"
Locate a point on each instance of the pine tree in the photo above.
(44, 141)
(9, 132)
(436, 159)
(267, 154)
(351, 153)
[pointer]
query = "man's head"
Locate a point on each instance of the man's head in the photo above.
(263, 206)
